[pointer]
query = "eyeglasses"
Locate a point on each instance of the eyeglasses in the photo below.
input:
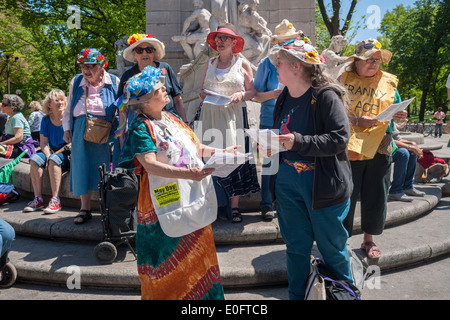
(372, 61)
(140, 50)
(89, 66)
(222, 38)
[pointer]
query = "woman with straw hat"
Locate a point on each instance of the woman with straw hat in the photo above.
(370, 147)
(268, 88)
(146, 50)
(231, 76)
(313, 183)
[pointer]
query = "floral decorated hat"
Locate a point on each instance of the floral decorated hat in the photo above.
(91, 56)
(301, 48)
(138, 38)
(138, 89)
(366, 48)
(285, 31)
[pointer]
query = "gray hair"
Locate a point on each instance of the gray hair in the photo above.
(321, 80)
(14, 101)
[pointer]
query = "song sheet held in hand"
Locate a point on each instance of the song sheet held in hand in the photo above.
(266, 138)
(225, 163)
(388, 113)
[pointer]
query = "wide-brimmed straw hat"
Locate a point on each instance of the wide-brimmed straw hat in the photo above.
(365, 50)
(301, 48)
(284, 31)
(238, 47)
(91, 56)
(136, 39)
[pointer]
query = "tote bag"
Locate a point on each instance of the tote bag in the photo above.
(182, 206)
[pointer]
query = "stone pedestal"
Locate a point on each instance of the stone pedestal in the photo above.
(165, 19)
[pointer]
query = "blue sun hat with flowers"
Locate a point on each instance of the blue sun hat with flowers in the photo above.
(91, 56)
(139, 88)
(365, 49)
(301, 48)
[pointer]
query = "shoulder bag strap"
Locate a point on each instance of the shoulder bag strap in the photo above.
(87, 93)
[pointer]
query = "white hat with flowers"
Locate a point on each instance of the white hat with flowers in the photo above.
(138, 38)
(301, 48)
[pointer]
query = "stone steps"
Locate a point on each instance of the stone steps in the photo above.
(250, 254)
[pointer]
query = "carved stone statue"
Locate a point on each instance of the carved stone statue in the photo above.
(121, 64)
(195, 30)
(335, 62)
(253, 28)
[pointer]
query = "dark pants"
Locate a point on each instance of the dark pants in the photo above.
(371, 180)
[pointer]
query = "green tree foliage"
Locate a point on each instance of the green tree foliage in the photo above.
(419, 38)
(39, 33)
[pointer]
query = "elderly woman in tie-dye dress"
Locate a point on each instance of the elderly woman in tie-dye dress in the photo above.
(169, 267)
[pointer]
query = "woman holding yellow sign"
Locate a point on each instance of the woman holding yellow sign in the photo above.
(177, 202)
(370, 146)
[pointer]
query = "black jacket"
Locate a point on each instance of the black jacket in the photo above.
(332, 174)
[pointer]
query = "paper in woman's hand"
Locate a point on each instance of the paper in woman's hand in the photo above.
(388, 113)
(225, 163)
(216, 99)
(267, 139)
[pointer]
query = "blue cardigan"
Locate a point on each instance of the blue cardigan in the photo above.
(107, 94)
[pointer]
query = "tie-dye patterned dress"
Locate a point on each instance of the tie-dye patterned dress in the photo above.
(169, 268)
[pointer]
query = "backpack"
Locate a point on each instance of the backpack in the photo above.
(334, 289)
(8, 193)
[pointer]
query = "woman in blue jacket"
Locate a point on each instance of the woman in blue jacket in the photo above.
(93, 91)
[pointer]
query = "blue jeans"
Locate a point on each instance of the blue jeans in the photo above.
(7, 235)
(438, 130)
(404, 170)
(300, 225)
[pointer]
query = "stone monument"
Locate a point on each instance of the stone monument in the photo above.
(253, 28)
(335, 63)
(195, 30)
(122, 65)
(165, 19)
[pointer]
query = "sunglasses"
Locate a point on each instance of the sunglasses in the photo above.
(222, 38)
(140, 50)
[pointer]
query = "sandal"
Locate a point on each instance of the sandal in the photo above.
(237, 216)
(83, 216)
(267, 214)
(371, 250)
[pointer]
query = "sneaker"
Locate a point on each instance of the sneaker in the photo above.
(400, 197)
(414, 192)
(34, 205)
(53, 206)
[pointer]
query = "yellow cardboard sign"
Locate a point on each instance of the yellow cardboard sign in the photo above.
(166, 194)
(366, 142)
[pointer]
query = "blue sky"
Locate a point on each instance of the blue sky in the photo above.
(373, 7)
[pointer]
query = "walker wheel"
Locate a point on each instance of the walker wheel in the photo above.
(8, 276)
(105, 253)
